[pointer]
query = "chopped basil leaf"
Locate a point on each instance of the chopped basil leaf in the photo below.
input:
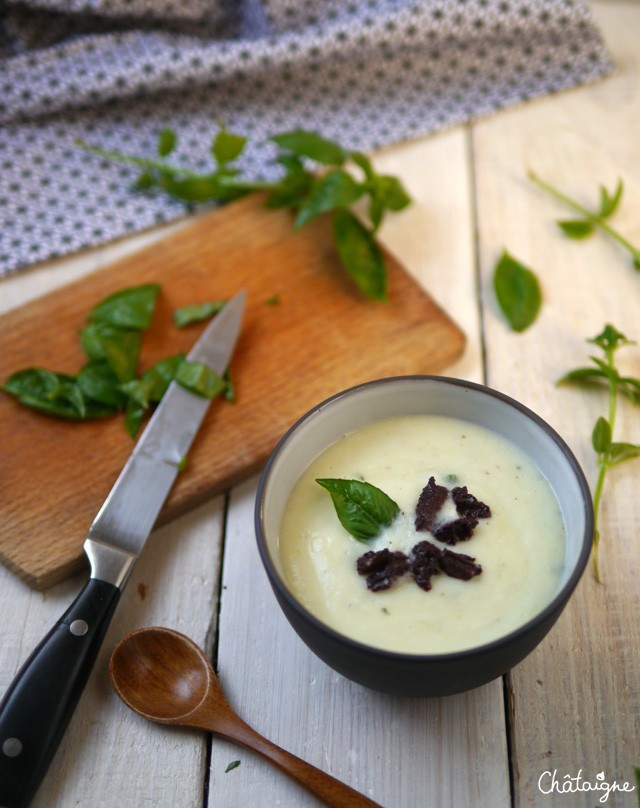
(196, 313)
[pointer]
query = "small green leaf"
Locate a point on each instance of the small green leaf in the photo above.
(391, 192)
(204, 188)
(610, 339)
(127, 308)
(227, 147)
(166, 142)
(585, 374)
(621, 452)
(363, 509)
(97, 381)
(609, 202)
(601, 436)
(55, 394)
(363, 162)
(576, 228)
(133, 415)
(360, 255)
(312, 145)
(231, 766)
(200, 379)
(291, 191)
(196, 313)
(336, 189)
(517, 291)
(119, 347)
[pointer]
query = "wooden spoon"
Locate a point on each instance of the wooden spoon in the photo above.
(164, 676)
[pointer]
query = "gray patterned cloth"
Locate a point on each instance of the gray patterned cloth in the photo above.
(364, 72)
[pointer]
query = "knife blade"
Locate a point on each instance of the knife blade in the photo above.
(40, 701)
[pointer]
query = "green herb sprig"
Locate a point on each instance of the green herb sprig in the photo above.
(308, 193)
(590, 220)
(610, 453)
(517, 291)
(107, 384)
(363, 509)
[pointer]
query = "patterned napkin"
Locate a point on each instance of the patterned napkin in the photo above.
(363, 72)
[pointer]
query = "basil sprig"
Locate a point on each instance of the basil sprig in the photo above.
(591, 220)
(363, 509)
(108, 384)
(517, 292)
(610, 453)
(301, 188)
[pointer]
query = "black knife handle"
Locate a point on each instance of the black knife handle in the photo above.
(40, 701)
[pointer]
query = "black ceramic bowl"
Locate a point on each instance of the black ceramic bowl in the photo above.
(422, 674)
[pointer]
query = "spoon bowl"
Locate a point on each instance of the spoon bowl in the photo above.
(164, 676)
(159, 675)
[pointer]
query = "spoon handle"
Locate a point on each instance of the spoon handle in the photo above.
(331, 791)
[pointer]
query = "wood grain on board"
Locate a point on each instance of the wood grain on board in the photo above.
(318, 338)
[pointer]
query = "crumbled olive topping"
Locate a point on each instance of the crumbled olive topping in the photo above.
(431, 499)
(384, 567)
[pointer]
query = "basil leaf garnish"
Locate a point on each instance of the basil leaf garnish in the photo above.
(517, 291)
(363, 509)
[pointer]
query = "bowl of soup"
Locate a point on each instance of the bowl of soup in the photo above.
(422, 534)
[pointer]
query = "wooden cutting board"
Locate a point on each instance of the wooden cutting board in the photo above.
(321, 337)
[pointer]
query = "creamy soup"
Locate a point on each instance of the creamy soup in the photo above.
(521, 547)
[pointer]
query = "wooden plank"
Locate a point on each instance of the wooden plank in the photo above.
(401, 752)
(322, 337)
(575, 701)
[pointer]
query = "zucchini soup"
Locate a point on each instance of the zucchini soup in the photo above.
(474, 548)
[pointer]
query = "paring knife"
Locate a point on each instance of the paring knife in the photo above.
(40, 701)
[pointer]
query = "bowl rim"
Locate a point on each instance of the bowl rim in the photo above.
(555, 605)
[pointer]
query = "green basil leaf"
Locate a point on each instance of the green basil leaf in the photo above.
(290, 191)
(363, 162)
(576, 228)
(610, 339)
(196, 313)
(390, 191)
(166, 142)
(227, 147)
(133, 415)
(203, 188)
(517, 291)
(199, 379)
(51, 393)
(128, 308)
(601, 436)
(153, 384)
(630, 387)
(585, 374)
(98, 382)
(336, 189)
(312, 145)
(621, 452)
(119, 347)
(363, 509)
(360, 255)
(609, 202)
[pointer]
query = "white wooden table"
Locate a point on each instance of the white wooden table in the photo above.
(572, 706)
